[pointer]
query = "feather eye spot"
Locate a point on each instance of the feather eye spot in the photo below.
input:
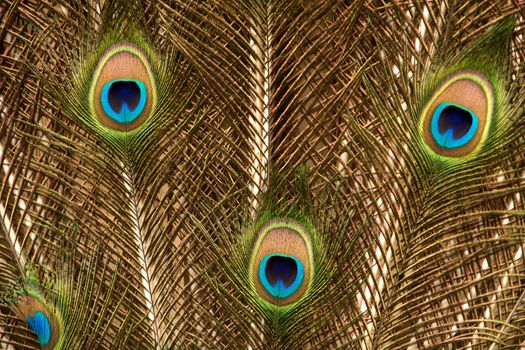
(281, 275)
(40, 317)
(281, 264)
(457, 117)
(453, 126)
(40, 325)
(123, 90)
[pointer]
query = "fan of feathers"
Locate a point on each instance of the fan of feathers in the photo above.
(262, 174)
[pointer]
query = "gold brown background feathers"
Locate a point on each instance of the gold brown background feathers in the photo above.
(141, 238)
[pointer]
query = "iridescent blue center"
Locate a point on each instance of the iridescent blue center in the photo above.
(123, 100)
(281, 275)
(453, 126)
(40, 325)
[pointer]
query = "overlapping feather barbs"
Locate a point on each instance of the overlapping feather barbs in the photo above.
(262, 174)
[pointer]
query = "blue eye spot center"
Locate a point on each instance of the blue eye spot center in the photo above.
(455, 118)
(281, 268)
(39, 324)
(123, 100)
(453, 126)
(123, 92)
(281, 275)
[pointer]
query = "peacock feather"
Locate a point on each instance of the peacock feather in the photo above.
(262, 174)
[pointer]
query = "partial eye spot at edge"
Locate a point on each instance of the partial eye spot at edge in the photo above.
(40, 325)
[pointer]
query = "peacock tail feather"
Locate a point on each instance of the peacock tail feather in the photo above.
(262, 174)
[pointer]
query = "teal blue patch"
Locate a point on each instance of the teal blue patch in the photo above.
(279, 288)
(455, 121)
(40, 325)
(117, 95)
